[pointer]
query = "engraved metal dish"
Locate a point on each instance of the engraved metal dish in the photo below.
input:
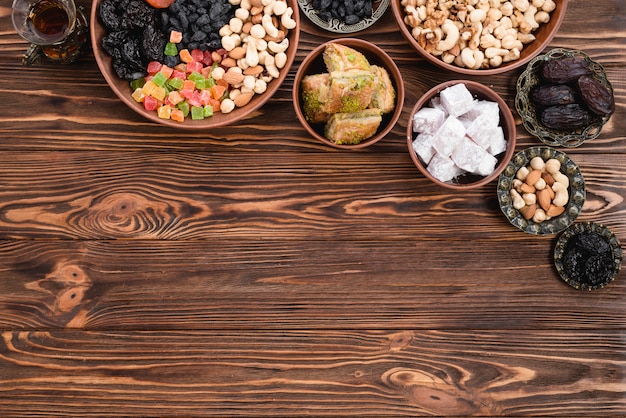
(614, 253)
(338, 26)
(577, 193)
(528, 112)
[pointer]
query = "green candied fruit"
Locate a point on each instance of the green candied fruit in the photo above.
(159, 79)
(197, 112)
(137, 83)
(170, 49)
(175, 83)
(209, 82)
(184, 107)
(208, 111)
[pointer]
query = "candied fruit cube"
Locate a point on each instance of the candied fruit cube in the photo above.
(164, 112)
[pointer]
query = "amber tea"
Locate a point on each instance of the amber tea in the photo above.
(50, 20)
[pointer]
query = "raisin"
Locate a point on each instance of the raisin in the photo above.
(592, 242)
(565, 117)
(597, 269)
(553, 94)
(597, 97)
(565, 70)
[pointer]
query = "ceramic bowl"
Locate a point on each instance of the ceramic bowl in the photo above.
(530, 113)
(506, 122)
(576, 191)
(588, 256)
(543, 35)
(313, 63)
(122, 89)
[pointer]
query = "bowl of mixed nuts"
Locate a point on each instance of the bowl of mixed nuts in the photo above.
(187, 66)
(479, 38)
(541, 191)
(564, 98)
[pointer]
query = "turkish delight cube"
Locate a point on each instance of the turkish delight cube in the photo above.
(457, 99)
(423, 147)
(485, 108)
(443, 168)
(448, 136)
(472, 158)
(428, 120)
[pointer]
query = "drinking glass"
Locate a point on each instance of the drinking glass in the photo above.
(55, 28)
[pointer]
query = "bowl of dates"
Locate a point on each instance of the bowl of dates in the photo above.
(348, 93)
(479, 38)
(343, 16)
(588, 256)
(541, 191)
(564, 98)
(185, 65)
(461, 134)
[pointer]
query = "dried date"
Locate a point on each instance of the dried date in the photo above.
(565, 117)
(565, 70)
(597, 97)
(553, 94)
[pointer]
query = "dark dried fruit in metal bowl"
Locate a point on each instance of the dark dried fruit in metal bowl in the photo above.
(587, 259)
(553, 94)
(564, 70)
(565, 117)
(597, 97)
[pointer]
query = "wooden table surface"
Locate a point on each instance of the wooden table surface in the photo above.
(252, 271)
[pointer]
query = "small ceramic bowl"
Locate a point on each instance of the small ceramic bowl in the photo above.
(543, 35)
(529, 112)
(313, 63)
(339, 26)
(588, 256)
(576, 192)
(506, 122)
(122, 88)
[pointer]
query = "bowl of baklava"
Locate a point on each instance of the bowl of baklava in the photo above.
(348, 93)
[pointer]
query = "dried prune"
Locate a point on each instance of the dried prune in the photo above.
(565, 70)
(597, 97)
(588, 260)
(565, 117)
(553, 94)
(348, 11)
(592, 242)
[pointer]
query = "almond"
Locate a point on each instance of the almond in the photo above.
(532, 177)
(229, 62)
(237, 52)
(243, 99)
(555, 210)
(547, 177)
(528, 211)
(233, 78)
(256, 70)
(527, 188)
(543, 198)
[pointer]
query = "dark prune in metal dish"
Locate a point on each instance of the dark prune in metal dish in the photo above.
(597, 97)
(565, 117)
(565, 70)
(553, 94)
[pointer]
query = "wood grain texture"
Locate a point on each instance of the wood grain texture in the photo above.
(251, 271)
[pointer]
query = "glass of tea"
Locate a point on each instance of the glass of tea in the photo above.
(56, 29)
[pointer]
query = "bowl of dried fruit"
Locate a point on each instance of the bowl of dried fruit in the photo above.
(348, 93)
(346, 16)
(588, 256)
(479, 40)
(192, 67)
(461, 134)
(564, 98)
(541, 191)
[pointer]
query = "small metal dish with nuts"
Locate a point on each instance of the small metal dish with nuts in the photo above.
(541, 191)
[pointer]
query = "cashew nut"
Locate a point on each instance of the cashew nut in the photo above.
(451, 32)
(268, 25)
(286, 20)
(277, 47)
(518, 200)
(561, 195)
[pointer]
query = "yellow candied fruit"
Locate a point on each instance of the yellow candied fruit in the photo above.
(164, 112)
(158, 93)
(138, 95)
(148, 87)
